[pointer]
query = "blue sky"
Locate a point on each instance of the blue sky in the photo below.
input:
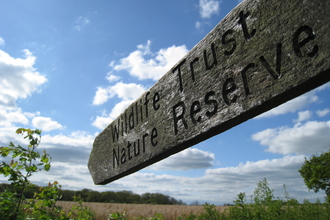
(71, 67)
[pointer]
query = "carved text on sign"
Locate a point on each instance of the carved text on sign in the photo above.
(262, 54)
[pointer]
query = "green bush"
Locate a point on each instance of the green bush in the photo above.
(263, 205)
(23, 164)
(27, 161)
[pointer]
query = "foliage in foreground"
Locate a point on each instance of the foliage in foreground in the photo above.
(262, 205)
(27, 161)
(23, 164)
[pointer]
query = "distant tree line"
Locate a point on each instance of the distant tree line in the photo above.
(89, 195)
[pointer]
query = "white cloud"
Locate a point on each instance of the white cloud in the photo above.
(18, 78)
(103, 121)
(119, 108)
(292, 105)
(10, 116)
(8, 134)
(221, 185)
(126, 92)
(69, 155)
(207, 8)
(303, 116)
(2, 41)
(112, 78)
(324, 112)
(45, 124)
(102, 95)
(130, 91)
(258, 167)
(309, 138)
(112, 64)
(190, 158)
(137, 63)
(75, 139)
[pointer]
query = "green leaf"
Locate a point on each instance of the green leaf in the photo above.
(44, 159)
(5, 151)
(47, 167)
(14, 165)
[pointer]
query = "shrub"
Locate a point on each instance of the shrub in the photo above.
(23, 164)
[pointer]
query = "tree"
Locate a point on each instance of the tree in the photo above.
(316, 173)
(94, 196)
(196, 202)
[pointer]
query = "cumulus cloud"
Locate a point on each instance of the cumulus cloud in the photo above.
(303, 116)
(217, 186)
(8, 117)
(207, 8)
(18, 78)
(259, 168)
(8, 134)
(69, 155)
(324, 112)
(138, 64)
(103, 121)
(190, 158)
(112, 78)
(124, 91)
(309, 138)
(130, 91)
(292, 105)
(45, 124)
(75, 139)
(102, 95)
(221, 185)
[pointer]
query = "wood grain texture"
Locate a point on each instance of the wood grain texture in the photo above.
(262, 54)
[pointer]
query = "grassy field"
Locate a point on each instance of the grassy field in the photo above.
(102, 210)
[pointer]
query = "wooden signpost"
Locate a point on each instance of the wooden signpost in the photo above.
(262, 54)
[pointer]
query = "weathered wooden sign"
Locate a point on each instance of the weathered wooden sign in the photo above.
(262, 54)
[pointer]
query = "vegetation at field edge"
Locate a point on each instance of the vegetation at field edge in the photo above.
(15, 203)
